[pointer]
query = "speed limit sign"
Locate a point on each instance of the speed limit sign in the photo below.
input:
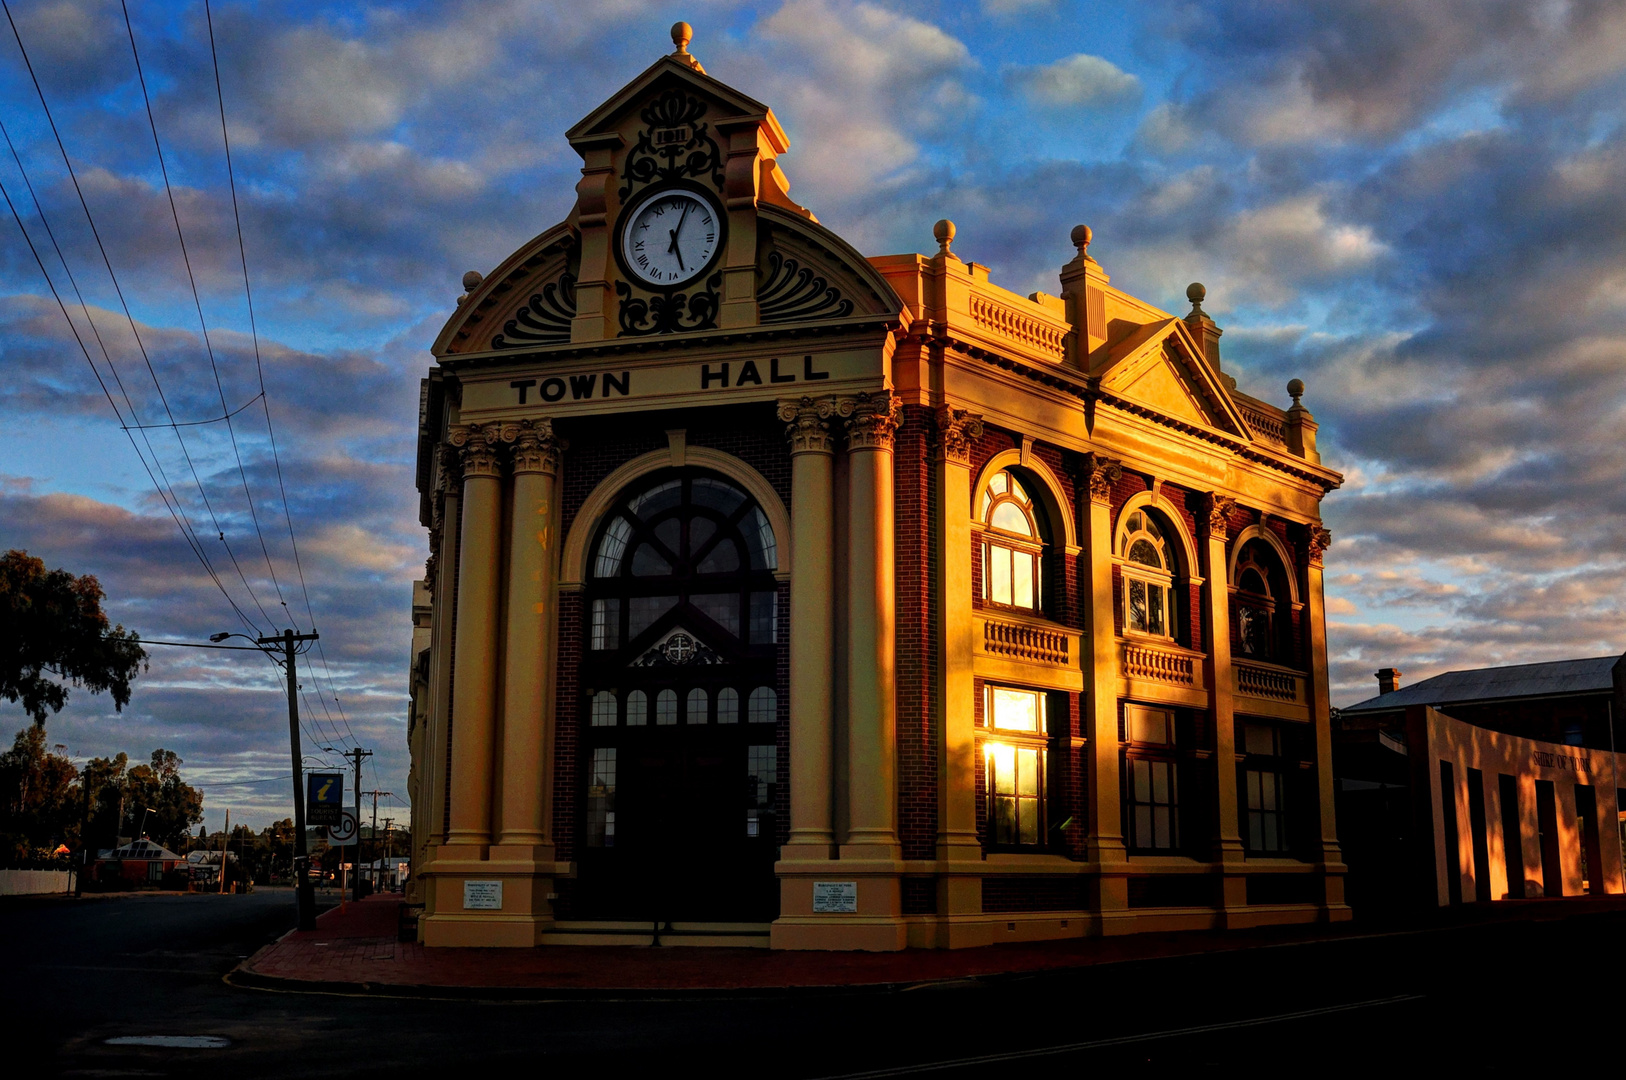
(344, 833)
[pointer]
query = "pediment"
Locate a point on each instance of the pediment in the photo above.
(527, 302)
(678, 647)
(1159, 367)
(669, 73)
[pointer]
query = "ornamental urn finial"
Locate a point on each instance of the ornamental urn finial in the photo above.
(943, 233)
(1081, 237)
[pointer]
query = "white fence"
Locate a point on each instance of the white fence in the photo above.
(34, 882)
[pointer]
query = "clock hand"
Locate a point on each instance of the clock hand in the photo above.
(675, 250)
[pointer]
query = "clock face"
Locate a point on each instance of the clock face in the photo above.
(670, 237)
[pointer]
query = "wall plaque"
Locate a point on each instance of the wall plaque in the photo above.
(836, 897)
(482, 895)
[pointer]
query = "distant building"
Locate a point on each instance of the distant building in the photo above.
(1489, 784)
(140, 862)
(821, 601)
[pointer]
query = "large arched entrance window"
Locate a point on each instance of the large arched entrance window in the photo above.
(679, 717)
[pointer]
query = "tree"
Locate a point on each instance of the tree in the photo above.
(52, 628)
(39, 804)
(176, 805)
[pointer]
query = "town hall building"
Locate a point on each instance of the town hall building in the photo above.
(784, 596)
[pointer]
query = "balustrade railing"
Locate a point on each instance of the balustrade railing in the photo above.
(1162, 665)
(1024, 642)
(1266, 682)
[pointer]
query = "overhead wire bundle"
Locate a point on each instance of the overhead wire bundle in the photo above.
(129, 416)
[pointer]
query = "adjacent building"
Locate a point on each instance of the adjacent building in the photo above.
(781, 595)
(1483, 785)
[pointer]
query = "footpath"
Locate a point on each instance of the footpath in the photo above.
(354, 949)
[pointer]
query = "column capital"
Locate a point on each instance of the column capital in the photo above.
(873, 420)
(807, 427)
(1101, 473)
(1217, 514)
(537, 448)
(1320, 541)
(957, 429)
(477, 444)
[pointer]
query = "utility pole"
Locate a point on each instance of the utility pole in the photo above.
(304, 895)
(225, 841)
(389, 823)
(356, 755)
(375, 795)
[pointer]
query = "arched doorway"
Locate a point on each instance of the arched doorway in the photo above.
(679, 744)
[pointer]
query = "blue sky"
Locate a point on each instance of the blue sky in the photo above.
(1415, 208)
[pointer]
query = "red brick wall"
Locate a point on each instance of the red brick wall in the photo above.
(916, 517)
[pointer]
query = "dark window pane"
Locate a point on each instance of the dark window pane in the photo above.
(721, 608)
(647, 562)
(764, 618)
(722, 559)
(644, 610)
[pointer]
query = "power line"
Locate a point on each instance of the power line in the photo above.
(208, 346)
(248, 293)
(130, 318)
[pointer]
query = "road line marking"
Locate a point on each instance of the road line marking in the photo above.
(1123, 1040)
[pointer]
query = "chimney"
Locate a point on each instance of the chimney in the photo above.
(1388, 680)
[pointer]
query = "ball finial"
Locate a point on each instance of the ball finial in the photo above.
(943, 233)
(1196, 294)
(682, 34)
(1295, 389)
(472, 280)
(1081, 237)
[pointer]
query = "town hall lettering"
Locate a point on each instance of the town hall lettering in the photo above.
(721, 376)
(579, 386)
(749, 375)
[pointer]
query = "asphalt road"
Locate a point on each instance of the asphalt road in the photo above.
(1497, 999)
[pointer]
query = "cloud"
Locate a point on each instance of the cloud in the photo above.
(1077, 81)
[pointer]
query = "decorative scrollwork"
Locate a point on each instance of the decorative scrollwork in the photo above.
(545, 318)
(674, 146)
(1320, 541)
(668, 313)
(793, 291)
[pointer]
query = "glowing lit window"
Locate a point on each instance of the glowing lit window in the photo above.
(1014, 766)
(694, 708)
(728, 706)
(1013, 545)
(603, 709)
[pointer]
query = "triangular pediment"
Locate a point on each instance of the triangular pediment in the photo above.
(1159, 367)
(670, 72)
(678, 647)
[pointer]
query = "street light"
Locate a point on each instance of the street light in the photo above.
(142, 832)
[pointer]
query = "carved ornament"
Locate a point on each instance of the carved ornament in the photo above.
(545, 318)
(478, 446)
(668, 313)
(1217, 513)
(807, 425)
(674, 145)
(1101, 473)
(873, 420)
(791, 291)
(536, 448)
(957, 429)
(1320, 541)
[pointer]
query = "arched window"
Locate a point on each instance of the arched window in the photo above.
(1261, 603)
(1150, 605)
(1013, 545)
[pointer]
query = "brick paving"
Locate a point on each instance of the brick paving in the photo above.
(356, 949)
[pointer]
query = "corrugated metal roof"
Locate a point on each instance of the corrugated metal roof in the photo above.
(1497, 683)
